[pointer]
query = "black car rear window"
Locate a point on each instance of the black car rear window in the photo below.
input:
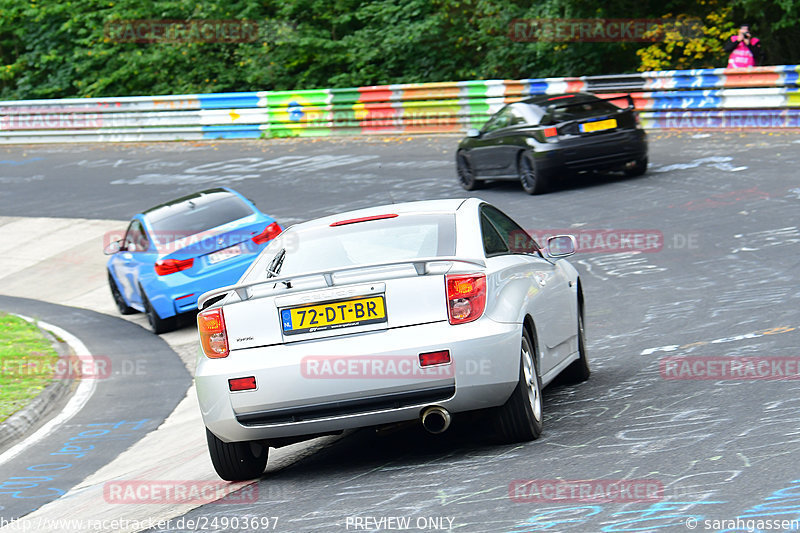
(195, 217)
(586, 109)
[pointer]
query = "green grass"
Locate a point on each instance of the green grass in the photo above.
(27, 363)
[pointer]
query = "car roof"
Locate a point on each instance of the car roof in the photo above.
(178, 205)
(445, 206)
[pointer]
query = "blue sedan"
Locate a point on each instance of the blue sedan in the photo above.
(174, 252)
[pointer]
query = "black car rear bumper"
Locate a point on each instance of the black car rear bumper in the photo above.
(596, 152)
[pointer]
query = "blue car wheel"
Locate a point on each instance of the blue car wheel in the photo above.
(157, 324)
(122, 305)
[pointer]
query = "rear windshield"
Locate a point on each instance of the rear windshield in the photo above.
(190, 218)
(592, 108)
(376, 241)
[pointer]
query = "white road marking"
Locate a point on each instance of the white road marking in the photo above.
(718, 162)
(753, 335)
(245, 168)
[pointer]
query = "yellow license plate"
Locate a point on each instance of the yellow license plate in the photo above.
(600, 125)
(333, 315)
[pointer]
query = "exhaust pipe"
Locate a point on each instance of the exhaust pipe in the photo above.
(435, 419)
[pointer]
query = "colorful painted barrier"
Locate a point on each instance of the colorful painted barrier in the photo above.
(761, 97)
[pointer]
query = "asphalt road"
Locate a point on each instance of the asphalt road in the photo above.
(122, 409)
(724, 283)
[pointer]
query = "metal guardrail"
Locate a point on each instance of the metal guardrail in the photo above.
(760, 97)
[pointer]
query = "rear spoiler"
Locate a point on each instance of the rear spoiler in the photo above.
(243, 290)
(627, 97)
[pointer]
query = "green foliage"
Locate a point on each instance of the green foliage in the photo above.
(686, 42)
(51, 49)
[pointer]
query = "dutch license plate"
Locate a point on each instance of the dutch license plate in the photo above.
(333, 315)
(599, 125)
(225, 253)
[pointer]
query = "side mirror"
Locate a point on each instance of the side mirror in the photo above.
(559, 246)
(474, 133)
(113, 248)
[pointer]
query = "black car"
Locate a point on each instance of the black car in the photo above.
(544, 137)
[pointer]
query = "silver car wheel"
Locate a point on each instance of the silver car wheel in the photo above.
(531, 379)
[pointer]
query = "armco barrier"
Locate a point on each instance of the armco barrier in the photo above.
(761, 97)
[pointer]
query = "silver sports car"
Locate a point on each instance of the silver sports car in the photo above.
(385, 315)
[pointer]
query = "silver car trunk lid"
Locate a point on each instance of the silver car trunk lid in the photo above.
(405, 297)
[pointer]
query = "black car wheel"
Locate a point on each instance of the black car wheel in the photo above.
(466, 176)
(157, 324)
(532, 181)
(237, 461)
(638, 168)
(122, 306)
(520, 419)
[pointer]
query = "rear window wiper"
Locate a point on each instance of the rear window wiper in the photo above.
(274, 267)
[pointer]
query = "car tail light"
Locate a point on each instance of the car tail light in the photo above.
(237, 384)
(269, 233)
(466, 297)
(551, 132)
(170, 266)
(434, 358)
(213, 337)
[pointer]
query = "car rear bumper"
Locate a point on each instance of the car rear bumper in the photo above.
(595, 153)
(178, 292)
(360, 380)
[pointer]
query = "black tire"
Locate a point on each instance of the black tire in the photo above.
(122, 307)
(520, 419)
(579, 370)
(531, 179)
(237, 461)
(466, 176)
(639, 168)
(157, 324)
